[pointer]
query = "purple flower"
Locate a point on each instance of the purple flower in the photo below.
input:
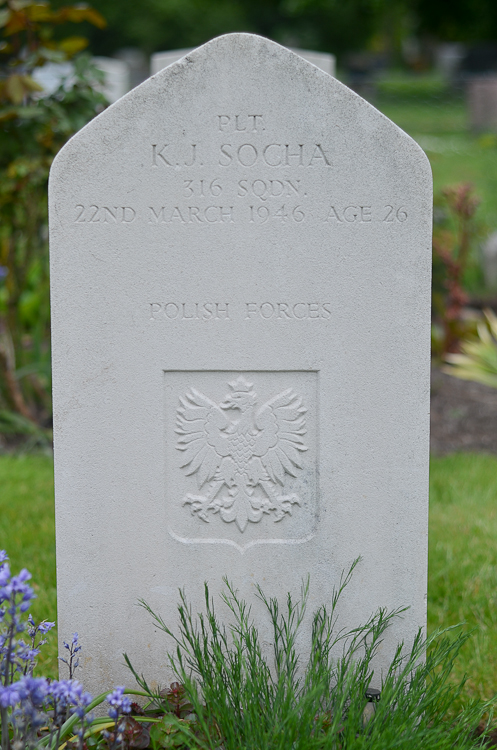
(34, 689)
(3, 556)
(66, 691)
(42, 628)
(120, 703)
(11, 587)
(45, 626)
(80, 708)
(73, 647)
(10, 695)
(37, 688)
(4, 574)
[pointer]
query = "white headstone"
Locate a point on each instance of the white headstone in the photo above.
(116, 77)
(240, 259)
(322, 60)
(448, 57)
(482, 102)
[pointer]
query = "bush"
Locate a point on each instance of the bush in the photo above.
(33, 128)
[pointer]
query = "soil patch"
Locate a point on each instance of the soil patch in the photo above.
(463, 415)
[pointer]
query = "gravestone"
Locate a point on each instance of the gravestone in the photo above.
(482, 102)
(322, 60)
(116, 77)
(489, 260)
(240, 260)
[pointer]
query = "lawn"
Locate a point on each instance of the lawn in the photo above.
(463, 561)
(27, 533)
(462, 558)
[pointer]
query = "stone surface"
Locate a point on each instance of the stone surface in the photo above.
(240, 256)
(489, 260)
(117, 77)
(322, 60)
(482, 102)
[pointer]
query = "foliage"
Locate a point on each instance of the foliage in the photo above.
(232, 696)
(240, 699)
(451, 248)
(329, 25)
(478, 358)
(32, 130)
(40, 713)
(459, 20)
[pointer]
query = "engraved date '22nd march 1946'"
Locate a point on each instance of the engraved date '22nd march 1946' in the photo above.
(185, 214)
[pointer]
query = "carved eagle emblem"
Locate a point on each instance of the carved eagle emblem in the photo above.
(241, 452)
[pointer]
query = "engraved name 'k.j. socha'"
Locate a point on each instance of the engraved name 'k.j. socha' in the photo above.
(242, 452)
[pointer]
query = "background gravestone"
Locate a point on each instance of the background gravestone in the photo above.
(240, 259)
(482, 102)
(489, 260)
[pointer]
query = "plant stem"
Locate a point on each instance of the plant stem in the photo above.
(5, 729)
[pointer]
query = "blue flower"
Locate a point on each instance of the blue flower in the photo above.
(34, 689)
(4, 575)
(73, 647)
(37, 688)
(45, 626)
(10, 695)
(120, 703)
(42, 628)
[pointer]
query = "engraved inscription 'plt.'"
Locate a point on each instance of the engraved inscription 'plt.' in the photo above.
(241, 459)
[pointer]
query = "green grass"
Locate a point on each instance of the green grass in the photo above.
(462, 560)
(27, 533)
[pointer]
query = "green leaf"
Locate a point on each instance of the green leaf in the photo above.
(78, 13)
(39, 12)
(73, 44)
(15, 88)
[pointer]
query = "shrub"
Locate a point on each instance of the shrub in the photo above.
(452, 244)
(478, 358)
(33, 128)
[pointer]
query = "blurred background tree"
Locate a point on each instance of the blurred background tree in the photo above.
(33, 127)
(337, 26)
(327, 25)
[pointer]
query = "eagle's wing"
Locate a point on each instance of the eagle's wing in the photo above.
(199, 425)
(279, 444)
